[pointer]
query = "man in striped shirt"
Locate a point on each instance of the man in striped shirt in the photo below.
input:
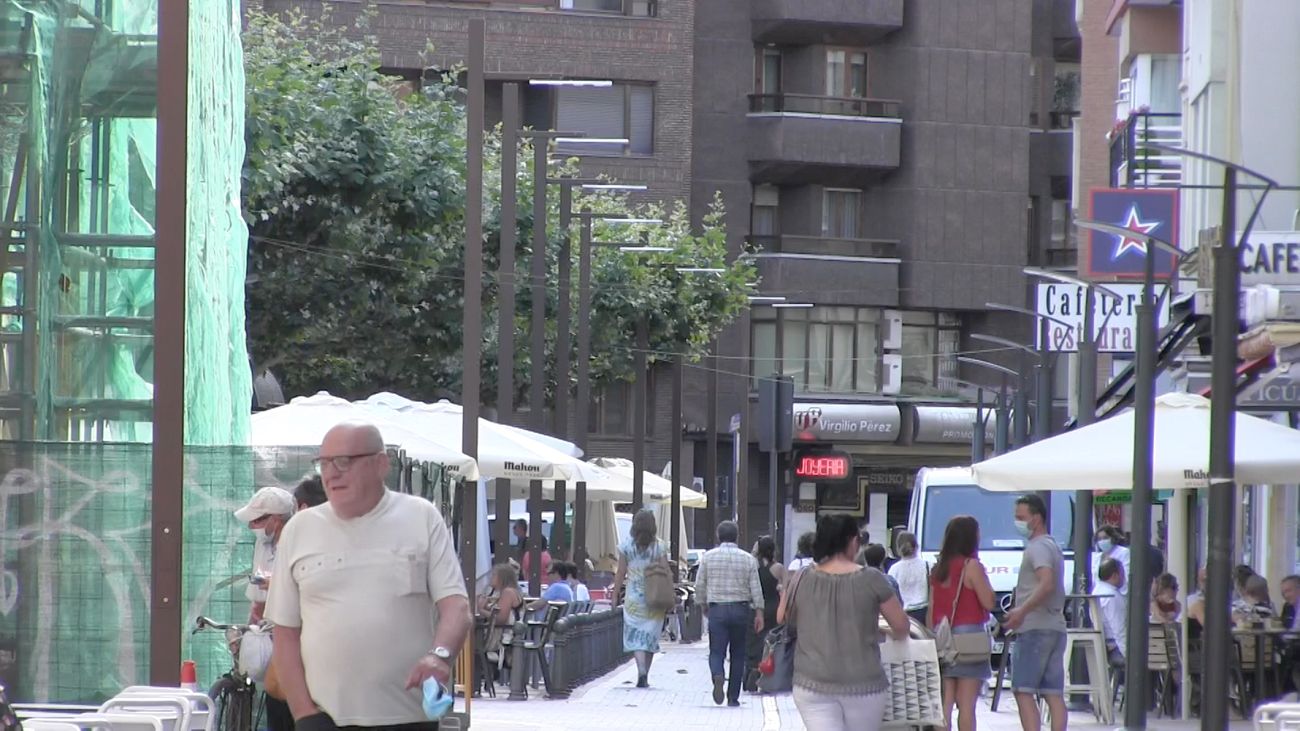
(729, 590)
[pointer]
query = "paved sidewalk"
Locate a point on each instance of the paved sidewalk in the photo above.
(680, 699)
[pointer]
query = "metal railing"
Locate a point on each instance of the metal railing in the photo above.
(839, 106)
(797, 244)
(1133, 164)
(586, 646)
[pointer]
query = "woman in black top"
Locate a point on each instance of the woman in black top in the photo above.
(772, 578)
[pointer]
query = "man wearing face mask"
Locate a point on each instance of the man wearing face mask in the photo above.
(1038, 652)
(265, 514)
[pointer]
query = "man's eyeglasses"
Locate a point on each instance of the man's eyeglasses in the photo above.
(341, 463)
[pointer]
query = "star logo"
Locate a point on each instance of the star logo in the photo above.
(1134, 223)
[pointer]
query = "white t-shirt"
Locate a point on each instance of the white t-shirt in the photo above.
(912, 575)
(263, 564)
(363, 592)
(581, 593)
(798, 563)
(1114, 614)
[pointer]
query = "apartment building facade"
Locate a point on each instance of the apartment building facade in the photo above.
(892, 165)
(899, 163)
(1218, 77)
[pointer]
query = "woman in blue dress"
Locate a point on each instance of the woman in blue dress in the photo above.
(641, 627)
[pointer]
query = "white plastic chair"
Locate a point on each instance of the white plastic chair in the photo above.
(1277, 717)
(172, 710)
(203, 716)
(118, 721)
(45, 724)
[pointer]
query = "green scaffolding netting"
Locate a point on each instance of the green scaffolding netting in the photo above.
(75, 557)
(78, 149)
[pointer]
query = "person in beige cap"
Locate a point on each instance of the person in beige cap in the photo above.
(266, 513)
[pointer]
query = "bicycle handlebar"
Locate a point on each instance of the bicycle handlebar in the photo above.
(203, 623)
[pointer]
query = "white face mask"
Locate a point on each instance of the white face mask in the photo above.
(1022, 527)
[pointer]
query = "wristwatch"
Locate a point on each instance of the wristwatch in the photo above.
(441, 653)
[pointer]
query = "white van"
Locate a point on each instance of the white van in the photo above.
(940, 494)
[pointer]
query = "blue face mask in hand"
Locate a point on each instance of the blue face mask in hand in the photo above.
(437, 699)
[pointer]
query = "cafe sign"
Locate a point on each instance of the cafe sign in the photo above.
(1114, 321)
(1270, 257)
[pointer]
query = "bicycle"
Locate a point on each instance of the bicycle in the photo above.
(239, 707)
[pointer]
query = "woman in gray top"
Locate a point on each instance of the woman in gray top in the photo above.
(835, 606)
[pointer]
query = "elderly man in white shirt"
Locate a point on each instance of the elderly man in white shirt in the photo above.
(1114, 609)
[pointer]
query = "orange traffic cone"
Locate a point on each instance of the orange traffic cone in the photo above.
(189, 676)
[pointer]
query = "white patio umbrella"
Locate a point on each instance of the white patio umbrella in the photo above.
(305, 420)
(654, 487)
(401, 403)
(1100, 456)
(503, 452)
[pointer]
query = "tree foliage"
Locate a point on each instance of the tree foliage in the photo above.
(354, 194)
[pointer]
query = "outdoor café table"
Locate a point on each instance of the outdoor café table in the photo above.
(1260, 632)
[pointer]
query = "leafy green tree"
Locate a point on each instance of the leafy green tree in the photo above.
(354, 194)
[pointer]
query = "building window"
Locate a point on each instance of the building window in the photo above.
(763, 219)
(639, 8)
(841, 210)
(610, 411)
(824, 349)
(846, 73)
(930, 344)
(620, 111)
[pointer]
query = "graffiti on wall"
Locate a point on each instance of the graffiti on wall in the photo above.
(75, 560)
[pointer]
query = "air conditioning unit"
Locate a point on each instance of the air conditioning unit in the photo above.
(892, 330)
(892, 381)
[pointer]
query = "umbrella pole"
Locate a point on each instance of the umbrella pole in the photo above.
(977, 434)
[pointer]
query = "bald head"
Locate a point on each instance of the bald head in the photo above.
(353, 465)
(352, 437)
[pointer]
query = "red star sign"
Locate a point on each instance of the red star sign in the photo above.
(1136, 224)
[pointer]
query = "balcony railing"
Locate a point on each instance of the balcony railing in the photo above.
(1133, 163)
(828, 245)
(838, 106)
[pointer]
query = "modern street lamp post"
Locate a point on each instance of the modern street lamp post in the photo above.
(1139, 584)
(472, 307)
(1003, 418)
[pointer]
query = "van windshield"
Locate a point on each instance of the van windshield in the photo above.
(995, 512)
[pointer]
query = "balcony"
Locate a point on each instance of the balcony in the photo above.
(827, 245)
(835, 22)
(1133, 163)
(800, 138)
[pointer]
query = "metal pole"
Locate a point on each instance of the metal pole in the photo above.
(506, 274)
(537, 346)
(563, 386)
(537, 357)
(1085, 414)
(1043, 416)
(773, 464)
(977, 439)
(1000, 435)
(675, 505)
(472, 312)
(1223, 490)
(740, 446)
(167, 470)
(1020, 413)
(581, 408)
(1139, 580)
(639, 413)
(506, 278)
(711, 444)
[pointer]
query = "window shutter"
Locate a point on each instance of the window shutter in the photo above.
(595, 111)
(641, 128)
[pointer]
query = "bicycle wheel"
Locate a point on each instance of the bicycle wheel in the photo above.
(234, 704)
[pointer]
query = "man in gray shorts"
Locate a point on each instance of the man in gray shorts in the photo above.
(1038, 653)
